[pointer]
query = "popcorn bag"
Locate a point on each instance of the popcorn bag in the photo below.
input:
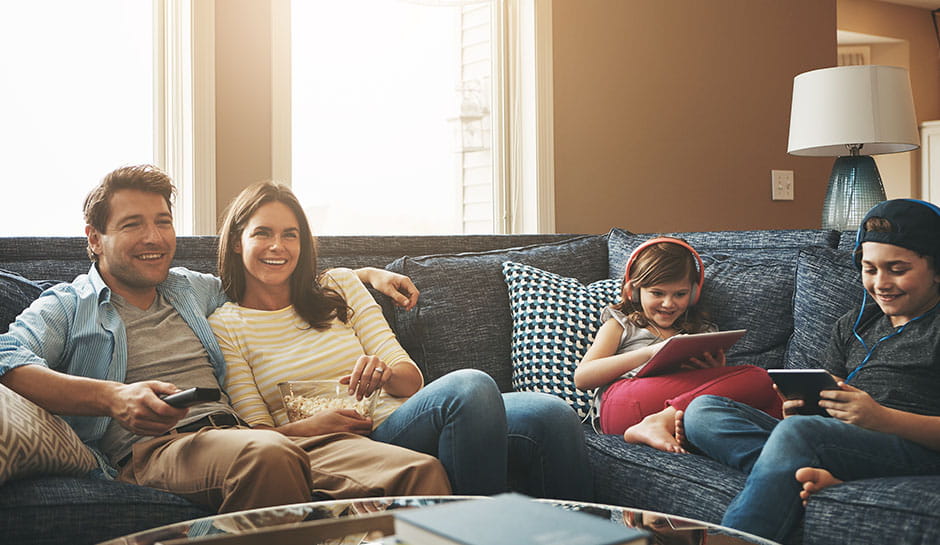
(307, 397)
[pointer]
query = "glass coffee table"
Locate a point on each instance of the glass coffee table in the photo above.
(371, 521)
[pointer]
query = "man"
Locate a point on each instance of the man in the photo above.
(103, 349)
(885, 416)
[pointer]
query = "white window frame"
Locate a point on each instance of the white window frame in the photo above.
(523, 174)
(184, 109)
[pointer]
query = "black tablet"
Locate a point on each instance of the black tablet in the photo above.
(804, 384)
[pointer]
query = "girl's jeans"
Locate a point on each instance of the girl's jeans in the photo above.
(770, 451)
(487, 440)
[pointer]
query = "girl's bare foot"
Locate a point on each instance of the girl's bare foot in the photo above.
(680, 430)
(814, 479)
(656, 430)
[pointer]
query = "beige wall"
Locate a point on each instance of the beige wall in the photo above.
(243, 96)
(670, 115)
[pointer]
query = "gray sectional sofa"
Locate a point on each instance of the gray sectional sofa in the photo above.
(526, 323)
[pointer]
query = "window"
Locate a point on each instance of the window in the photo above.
(408, 116)
(76, 100)
(86, 87)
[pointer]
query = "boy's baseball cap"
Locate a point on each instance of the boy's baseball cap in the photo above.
(915, 226)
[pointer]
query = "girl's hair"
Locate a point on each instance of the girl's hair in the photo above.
(661, 263)
(316, 304)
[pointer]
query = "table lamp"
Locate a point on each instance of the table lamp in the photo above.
(852, 112)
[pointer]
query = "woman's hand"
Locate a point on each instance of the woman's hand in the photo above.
(398, 287)
(331, 421)
(368, 375)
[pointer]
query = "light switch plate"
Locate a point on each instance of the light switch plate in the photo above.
(781, 185)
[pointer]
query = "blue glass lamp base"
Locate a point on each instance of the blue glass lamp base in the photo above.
(854, 187)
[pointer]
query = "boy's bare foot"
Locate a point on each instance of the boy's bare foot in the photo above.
(814, 479)
(656, 430)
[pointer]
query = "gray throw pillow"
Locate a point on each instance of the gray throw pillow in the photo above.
(827, 286)
(462, 319)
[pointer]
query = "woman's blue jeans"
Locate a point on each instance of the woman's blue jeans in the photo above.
(486, 439)
(770, 451)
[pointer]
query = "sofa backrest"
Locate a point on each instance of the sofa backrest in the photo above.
(64, 258)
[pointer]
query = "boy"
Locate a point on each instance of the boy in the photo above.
(886, 416)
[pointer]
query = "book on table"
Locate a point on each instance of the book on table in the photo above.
(509, 519)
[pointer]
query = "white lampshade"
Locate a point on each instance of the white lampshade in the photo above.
(836, 107)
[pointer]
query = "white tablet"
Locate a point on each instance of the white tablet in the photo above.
(681, 348)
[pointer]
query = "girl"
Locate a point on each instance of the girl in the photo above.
(287, 322)
(661, 286)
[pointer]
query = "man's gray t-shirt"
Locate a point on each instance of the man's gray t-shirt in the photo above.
(903, 371)
(160, 346)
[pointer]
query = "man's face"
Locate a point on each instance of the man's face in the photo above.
(135, 251)
(903, 283)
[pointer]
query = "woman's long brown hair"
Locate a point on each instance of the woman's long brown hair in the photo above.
(314, 303)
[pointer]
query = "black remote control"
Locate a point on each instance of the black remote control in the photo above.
(192, 396)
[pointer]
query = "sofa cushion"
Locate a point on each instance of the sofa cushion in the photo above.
(83, 511)
(782, 244)
(640, 476)
(860, 511)
(754, 294)
(462, 319)
(554, 320)
(827, 286)
(16, 293)
(33, 441)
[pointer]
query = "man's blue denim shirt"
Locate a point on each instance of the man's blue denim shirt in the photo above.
(73, 328)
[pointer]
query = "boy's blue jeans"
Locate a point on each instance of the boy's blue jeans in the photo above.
(770, 451)
(486, 439)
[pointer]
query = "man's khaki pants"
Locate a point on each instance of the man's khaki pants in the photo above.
(232, 469)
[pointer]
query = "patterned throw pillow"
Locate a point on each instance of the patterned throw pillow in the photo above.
(554, 320)
(33, 441)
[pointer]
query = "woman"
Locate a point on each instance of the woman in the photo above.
(287, 322)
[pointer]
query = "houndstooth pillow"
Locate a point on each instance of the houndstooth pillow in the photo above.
(554, 320)
(33, 441)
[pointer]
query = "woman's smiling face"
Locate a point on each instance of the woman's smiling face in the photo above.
(270, 247)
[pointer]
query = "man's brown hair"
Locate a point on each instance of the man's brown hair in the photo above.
(146, 178)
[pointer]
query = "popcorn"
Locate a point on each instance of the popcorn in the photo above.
(299, 406)
(308, 397)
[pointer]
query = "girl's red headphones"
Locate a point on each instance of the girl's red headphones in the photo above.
(696, 286)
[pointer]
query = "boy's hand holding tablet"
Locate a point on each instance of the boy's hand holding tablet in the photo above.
(804, 385)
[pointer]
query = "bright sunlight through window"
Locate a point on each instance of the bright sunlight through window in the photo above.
(378, 90)
(76, 101)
